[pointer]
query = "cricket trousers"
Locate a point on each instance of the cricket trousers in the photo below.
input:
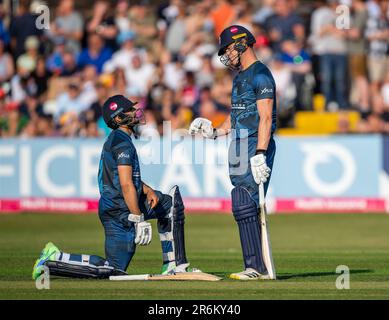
(120, 233)
(240, 152)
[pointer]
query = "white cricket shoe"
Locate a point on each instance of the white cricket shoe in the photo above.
(249, 274)
(185, 268)
(171, 268)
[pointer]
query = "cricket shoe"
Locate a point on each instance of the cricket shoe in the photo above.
(249, 274)
(171, 268)
(48, 253)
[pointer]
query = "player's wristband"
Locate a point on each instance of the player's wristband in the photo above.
(136, 218)
(260, 151)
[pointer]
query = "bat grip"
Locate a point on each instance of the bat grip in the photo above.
(262, 199)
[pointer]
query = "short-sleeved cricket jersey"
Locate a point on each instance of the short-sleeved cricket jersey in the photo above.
(250, 85)
(118, 150)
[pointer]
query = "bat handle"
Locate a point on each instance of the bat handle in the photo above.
(262, 199)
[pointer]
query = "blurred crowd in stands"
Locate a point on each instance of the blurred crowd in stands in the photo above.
(163, 54)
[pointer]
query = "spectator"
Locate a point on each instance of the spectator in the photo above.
(139, 77)
(284, 24)
(69, 64)
(205, 76)
(189, 92)
(378, 59)
(122, 58)
(262, 44)
(88, 93)
(21, 82)
(162, 104)
(30, 110)
(41, 78)
(244, 16)
(143, 23)
(385, 93)
(32, 51)
(207, 107)
(119, 85)
(286, 91)
(221, 89)
(103, 23)
(55, 62)
(94, 112)
(4, 35)
(222, 16)
(6, 64)
(373, 123)
(264, 12)
(173, 74)
(69, 106)
(22, 26)
(167, 13)
(10, 119)
(177, 31)
(122, 20)
(357, 57)
(45, 126)
(68, 24)
(95, 54)
(330, 45)
(298, 61)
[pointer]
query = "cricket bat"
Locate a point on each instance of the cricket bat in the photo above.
(266, 247)
(181, 276)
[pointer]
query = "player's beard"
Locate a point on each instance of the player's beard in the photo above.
(133, 119)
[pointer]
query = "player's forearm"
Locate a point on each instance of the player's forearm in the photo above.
(131, 198)
(146, 188)
(264, 132)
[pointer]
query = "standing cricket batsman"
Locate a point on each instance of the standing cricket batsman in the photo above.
(126, 204)
(252, 123)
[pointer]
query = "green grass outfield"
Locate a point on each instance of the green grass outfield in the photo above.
(306, 248)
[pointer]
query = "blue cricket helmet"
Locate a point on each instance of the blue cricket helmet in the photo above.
(116, 106)
(234, 33)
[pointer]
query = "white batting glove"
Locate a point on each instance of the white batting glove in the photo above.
(143, 231)
(203, 126)
(259, 168)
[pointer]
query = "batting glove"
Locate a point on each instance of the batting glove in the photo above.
(203, 126)
(143, 231)
(259, 168)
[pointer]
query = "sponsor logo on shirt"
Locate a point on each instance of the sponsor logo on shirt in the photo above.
(239, 106)
(266, 90)
(123, 155)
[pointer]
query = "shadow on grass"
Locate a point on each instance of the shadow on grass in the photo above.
(286, 276)
(319, 274)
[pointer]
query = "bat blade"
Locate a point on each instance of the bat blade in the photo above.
(182, 276)
(266, 246)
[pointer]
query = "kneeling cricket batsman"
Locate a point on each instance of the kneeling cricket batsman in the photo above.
(252, 123)
(126, 204)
